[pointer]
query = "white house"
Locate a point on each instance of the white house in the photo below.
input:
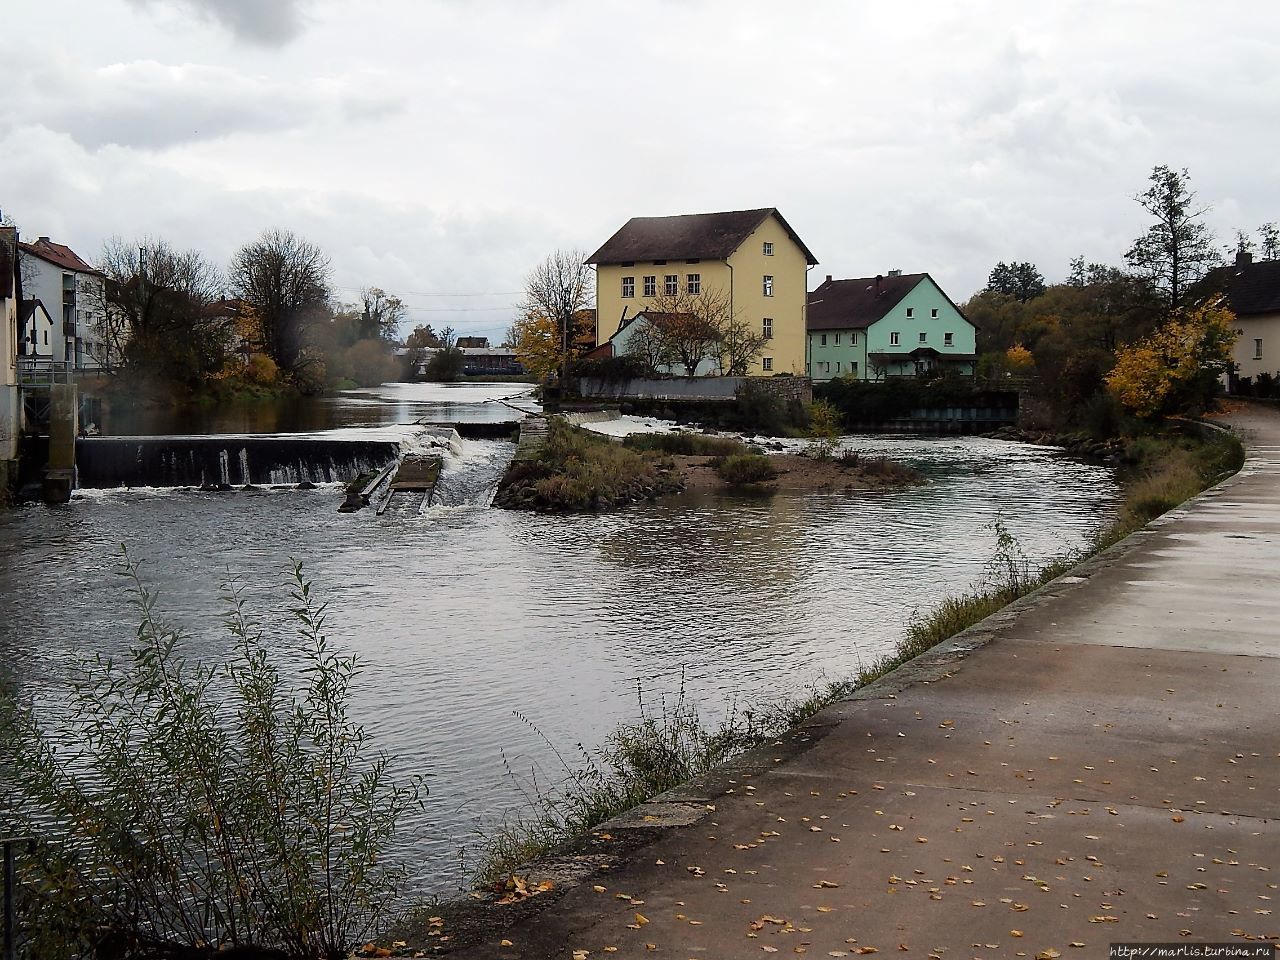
(1253, 292)
(633, 339)
(72, 293)
(37, 332)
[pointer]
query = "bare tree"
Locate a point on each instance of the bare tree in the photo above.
(286, 280)
(695, 327)
(740, 343)
(158, 309)
(1178, 248)
(559, 289)
(649, 343)
(1269, 239)
(380, 315)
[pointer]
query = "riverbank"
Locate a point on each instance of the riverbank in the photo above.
(640, 837)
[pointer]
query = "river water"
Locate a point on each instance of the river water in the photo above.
(463, 614)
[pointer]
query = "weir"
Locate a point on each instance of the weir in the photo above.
(104, 462)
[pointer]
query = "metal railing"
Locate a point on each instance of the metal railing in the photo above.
(37, 372)
(10, 878)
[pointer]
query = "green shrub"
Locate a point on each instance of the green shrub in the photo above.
(577, 470)
(744, 469)
(182, 808)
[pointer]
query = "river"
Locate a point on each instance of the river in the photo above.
(463, 614)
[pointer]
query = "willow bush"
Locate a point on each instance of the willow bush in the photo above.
(182, 808)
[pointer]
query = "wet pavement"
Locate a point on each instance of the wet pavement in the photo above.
(1098, 764)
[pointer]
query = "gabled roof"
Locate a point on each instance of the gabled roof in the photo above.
(1250, 288)
(27, 309)
(691, 236)
(857, 304)
(59, 254)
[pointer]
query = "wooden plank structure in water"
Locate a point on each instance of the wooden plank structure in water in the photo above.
(417, 473)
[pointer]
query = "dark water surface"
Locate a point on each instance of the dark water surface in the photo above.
(464, 614)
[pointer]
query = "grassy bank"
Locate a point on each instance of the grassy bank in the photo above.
(661, 751)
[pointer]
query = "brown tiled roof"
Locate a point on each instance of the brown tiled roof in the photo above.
(692, 236)
(1250, 288)
(856, 304)
(58, 254)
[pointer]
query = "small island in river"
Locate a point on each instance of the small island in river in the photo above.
(576, 470)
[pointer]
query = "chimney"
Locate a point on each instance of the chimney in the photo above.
(44, 240)
(878, 279)
(1243, 258)
(895, 273)
(828, 278)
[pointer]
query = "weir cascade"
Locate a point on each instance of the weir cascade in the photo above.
(105, 462)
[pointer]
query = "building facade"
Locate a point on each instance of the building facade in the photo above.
(751, 257)
(877, 328)
(1252, 290)
(72, 293)
(10, 400)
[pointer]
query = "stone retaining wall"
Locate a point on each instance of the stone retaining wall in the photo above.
(696, 388)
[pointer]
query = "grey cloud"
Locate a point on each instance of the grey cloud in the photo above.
(150, 105)
(271, 23)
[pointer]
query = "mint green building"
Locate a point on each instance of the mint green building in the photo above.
(875, 328)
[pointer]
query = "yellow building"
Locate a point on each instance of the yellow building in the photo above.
(751, 256)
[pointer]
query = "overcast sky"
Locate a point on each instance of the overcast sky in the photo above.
(440, 148)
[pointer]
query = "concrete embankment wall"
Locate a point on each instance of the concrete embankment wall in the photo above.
(696, 388)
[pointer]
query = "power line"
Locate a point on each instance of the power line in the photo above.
(426, 293)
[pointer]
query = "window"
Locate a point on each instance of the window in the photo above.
(893, 339)
(911, 312)
(837, 339)
(672, 285)
(766, 327)
(853, 338)
(693, 283)
(768, 286)
(924, 337)
(948, 339)
(853, 368)
(628, 286)
(933, 313)
(766, 363)
(1257, 348)
(659, 263)
(823, 338)
(837, 366)
(693, 261)
(826, 366)
(768, 249)
(650, 286)
(627, 263)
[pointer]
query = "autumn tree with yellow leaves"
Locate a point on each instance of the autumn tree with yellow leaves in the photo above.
(1176, 369)
(554, 313)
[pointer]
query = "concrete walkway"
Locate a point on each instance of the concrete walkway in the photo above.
(1105, 768)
